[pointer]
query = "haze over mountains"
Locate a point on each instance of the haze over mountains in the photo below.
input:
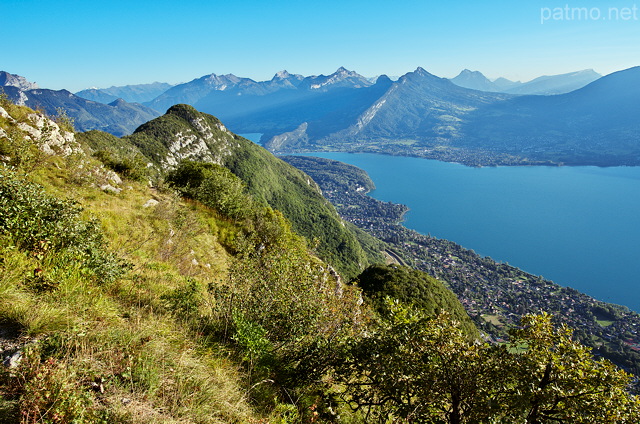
(467, 119)
(117, 117)
(596, 125)
(545, 85)
(131, 93)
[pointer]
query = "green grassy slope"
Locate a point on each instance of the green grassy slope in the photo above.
(186, 133)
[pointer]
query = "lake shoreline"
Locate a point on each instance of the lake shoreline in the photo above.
(415, 218)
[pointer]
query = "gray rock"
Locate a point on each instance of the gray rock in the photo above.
(13, 360)
(108, 188)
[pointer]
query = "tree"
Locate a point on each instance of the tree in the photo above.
(419, 369)
(556, 379)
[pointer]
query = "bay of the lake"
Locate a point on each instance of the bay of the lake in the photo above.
(577, 226)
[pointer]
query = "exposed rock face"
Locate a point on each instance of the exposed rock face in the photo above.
(194, 136)
(50, 138)
(12, 80)
(298, 136)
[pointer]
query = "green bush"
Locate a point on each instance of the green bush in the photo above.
(132, 167)
(415, 288)
(214, 186)
(41, 224)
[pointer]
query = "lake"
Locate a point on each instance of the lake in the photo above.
(576, 226)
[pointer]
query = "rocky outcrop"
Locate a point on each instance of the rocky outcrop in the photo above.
(12, 80)
(47, 134)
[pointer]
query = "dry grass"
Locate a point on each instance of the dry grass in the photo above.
(117, 344)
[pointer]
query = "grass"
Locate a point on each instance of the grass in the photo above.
(493, 319)
(604, 323)
(114, 351)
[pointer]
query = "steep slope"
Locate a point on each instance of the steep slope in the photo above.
(118, 118)
(184, 133)
(593, 125)
(418, 109)
(138, 93)
(13, 80)
(127, 306)
(415, 288)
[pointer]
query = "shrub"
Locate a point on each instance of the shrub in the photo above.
(48, 392)
(39, 224)
(129, 166)
(214, 186)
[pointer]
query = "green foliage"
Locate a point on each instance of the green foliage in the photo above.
(19, 151)
(48, 392)
(417, 368)
(332, 173)
(296, 195)
(252, 339)
(214, 186)
(415, 288)
(4, 99)
(184, 301)
(423, 369)
(40, 224)
(116, 154)
(133, 168)
(64, 121)
(268, 179)
(555, 379)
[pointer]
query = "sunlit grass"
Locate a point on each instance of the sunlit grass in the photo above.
(117, 343)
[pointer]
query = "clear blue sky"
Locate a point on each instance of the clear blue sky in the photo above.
(77, 44)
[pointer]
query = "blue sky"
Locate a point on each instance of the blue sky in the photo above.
(78, 44)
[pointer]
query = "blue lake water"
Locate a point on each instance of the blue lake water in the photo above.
(255, 137)
(577, 226)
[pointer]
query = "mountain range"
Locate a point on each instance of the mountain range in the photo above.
(118, 117)
(423, 115)
(131, 93)
(481, 123)
(595, 125)
(544, 85)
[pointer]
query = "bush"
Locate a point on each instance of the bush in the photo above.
(41, 224)
(214, 186)
(48, 392)
(132, 167)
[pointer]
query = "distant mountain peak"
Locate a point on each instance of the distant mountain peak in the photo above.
(118, 102)
(345, 73)
(383, 79)
(13, 80)
(282, 74)
(342, 77)
(476, 80)
(469, 73)
(421, 71)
